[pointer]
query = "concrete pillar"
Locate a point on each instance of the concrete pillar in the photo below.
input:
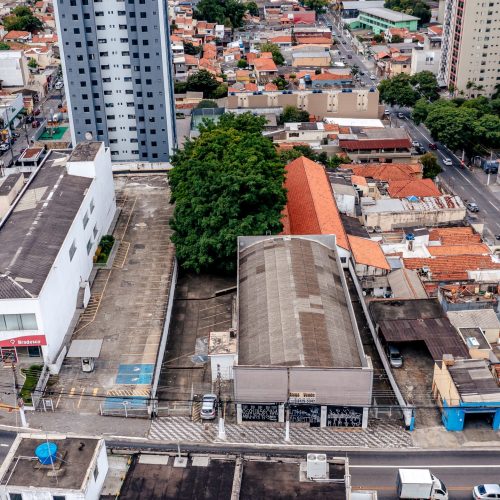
(496, 421)
(238, 414)
(281, 412)
(364, 422)
(323, 416)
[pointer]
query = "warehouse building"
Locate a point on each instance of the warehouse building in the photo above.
(300, 355)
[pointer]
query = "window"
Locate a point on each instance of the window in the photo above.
(85, 220)
(15, 496)
(89, 246)
(58, 497)
(95, 231)
(343, 260)
(92, 205)
(72, 250)
(11, 322)
(96, 472)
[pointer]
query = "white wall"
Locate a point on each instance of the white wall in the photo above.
(345, 203)
(11, 68)
(60, 290)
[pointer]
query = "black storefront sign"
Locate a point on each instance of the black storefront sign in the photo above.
(259, 413)
(344, 416)
(310, 414)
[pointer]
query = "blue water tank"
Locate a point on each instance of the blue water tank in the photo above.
(46, 453)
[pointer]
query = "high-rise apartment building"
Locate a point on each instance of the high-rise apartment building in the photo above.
(471, 46)
(118, 75)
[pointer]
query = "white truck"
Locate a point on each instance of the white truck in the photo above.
(420, 484)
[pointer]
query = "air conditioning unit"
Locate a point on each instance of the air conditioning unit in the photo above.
(317, 466)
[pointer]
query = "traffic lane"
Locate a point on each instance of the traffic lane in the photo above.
(6, 440)
(459, 479)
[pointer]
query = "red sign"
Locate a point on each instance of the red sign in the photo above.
(28, 341)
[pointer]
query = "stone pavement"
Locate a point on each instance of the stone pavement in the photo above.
(378, 435)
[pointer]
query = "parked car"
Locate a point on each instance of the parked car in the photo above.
(16, 135)
(447, 162)
(36, 112)
(35, 123)
(401, 115)
(420, 150)
(349, 56)
(59, 85)
(362, 73)
(29, 118)
(387, 112)
(497, 237)
(433, 146)
(394, 356)
(5, 146)
(486, 491)
(208, 407)
(373, 77)
(472, 207)
(415, 144)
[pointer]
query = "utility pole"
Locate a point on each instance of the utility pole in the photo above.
(18, 398)
(222, 429)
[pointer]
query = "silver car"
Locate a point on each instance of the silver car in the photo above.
(395, 358)
(208, 407)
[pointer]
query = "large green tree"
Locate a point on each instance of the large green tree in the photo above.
(398, 90)
(21, 18)
(417, 8)
(425, 83)
(431, 167)
(226, 183)
(318, 5)
(227, 12)
(291, 114)
(202, 81)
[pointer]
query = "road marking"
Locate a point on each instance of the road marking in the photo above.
(80, 399)
(4, 445)
(461, 466)
(95, 391)
(392, 488)
(59, 398)
(72, 392)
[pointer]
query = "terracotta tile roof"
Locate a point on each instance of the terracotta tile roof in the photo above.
(270, 87)
(359, 180)
(191, 60)
(281, 39)
(330, 76)
(471, 249)
(251, 87)
(263, 64)
(412, 187)
(251, 57)
(365, 144)
(451, 267)
(331, 127)
(437, 30)
(315, 40)
(400, 58)
(381, 55)
(368, 252)
(14, 35)
(454, 235)
(266, 55)
(388, 171)
(311, 205)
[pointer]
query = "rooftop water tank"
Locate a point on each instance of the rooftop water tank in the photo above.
(46, 453)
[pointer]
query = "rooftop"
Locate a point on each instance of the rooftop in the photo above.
(405, 284)
(368, 252)
(387, 171)
(222, 343)
(474, 381)
(32, 235)
(311, 206)
(293, 304)
(412, 187)
(7, 183)
(427, 204)
(474, 338)
(75, 455)
(483, 318)
(454, 235)
(388, 14)
(418, 320)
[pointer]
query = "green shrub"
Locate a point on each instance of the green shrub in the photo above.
(32, 375)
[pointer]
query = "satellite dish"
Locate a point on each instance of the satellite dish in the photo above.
(88, 136)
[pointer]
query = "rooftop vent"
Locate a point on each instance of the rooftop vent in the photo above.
(317, 466)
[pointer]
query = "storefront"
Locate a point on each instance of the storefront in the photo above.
(14, 347)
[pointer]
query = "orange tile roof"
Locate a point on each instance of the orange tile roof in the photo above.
(451, 267)
(251, 57)
(381, 55)
(311, 205)
(270, 87)
(264, 65)
(368, 252)
(281, 39)
(454, 235)
(14, 35)
(191, 60)
(412, 187)
(251, 87)
(388, 171)
(359, 180)
(266, 55)
(438, 30)
(471, 249)
(315, 40)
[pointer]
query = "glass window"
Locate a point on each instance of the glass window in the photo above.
(85, 220)
(89, 246)
(72, 250)
(29, 322)
(12, 322)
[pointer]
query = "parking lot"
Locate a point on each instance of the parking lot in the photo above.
(127, 306)
(197, 311)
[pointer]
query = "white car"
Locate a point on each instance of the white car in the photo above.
(415, 144)
(208, 407)
(59, 85)
(5, 146)
(373, 77)
(486, 491)
(447, 162)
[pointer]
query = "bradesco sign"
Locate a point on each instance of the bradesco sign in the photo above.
(26, 341)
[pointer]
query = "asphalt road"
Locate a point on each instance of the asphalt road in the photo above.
(459, 469)
(6, 440)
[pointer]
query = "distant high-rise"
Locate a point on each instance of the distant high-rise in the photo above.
(470, 59)
(117, 68)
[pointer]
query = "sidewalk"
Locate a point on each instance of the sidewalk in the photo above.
(378, 435)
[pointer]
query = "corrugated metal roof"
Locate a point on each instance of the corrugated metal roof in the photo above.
(474, 381)
(293, 305)
(482, 318)
(405, 284)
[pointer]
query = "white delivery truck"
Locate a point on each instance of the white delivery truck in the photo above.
(420, 484)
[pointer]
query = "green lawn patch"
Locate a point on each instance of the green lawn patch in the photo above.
(32, 375)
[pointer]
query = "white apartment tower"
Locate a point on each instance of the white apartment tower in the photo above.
(470, 60)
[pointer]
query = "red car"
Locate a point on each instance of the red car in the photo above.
(36, 112)
(35, 123)
(433, 146)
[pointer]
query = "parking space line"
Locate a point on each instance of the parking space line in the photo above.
(72, 392)
(95, 391)
(59, 397)
(80, 399)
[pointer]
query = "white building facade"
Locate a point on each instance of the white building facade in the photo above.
(67, 206)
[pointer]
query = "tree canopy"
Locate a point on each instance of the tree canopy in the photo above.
(291, 114)
(204, 81)
(21, 18)
(299, 150)
(226, 183)
(431, 167)
(405, 90)
(228, 12)
(275, 51)
(317, 5)
(417, 8)
(191, 49)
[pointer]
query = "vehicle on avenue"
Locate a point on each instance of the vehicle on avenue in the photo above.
(482, 491)
(472, 207)
(5, 146)
(373, 77)
(59, 85)
(401, 115)
(433, 146)
(415, 144)
(208, 407)
(420, 483)
(448, 162)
